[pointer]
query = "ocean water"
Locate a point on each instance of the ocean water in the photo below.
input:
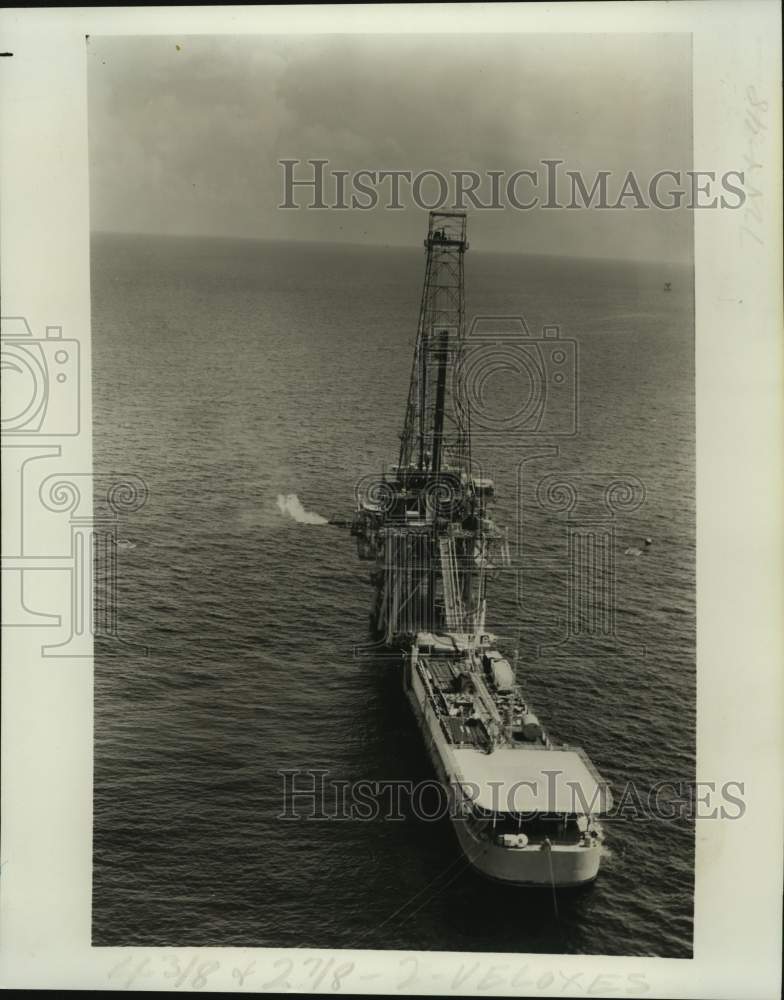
(227, 373)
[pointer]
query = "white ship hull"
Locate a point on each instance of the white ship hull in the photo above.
(561, 866)
(558, 865)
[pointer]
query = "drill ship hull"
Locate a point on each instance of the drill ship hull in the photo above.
(515, 814)
(523, 807)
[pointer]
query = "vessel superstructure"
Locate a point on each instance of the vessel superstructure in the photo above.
(524, 807)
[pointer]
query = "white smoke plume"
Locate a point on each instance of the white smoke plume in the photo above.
(290, 504)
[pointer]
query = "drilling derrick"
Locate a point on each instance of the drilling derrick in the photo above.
(425, 523)
(436, 427)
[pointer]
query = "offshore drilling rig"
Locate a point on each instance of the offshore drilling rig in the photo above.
(426, 528)
(425, 525)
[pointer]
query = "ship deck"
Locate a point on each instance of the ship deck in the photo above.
(530, 779)
(468, 717)
(541, 777)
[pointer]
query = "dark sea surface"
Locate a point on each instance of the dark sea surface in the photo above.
(227, 372)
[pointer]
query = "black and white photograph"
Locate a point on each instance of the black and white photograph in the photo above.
(420, 497)
(380, 568)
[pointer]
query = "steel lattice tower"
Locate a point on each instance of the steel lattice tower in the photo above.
(436, 432)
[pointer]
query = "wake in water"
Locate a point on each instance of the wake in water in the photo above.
(290, 504)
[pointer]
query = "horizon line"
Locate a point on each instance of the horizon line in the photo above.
(386, 246)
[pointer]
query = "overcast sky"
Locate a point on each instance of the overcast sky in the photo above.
(187, 140)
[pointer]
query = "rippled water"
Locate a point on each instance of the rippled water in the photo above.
(227, 373)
